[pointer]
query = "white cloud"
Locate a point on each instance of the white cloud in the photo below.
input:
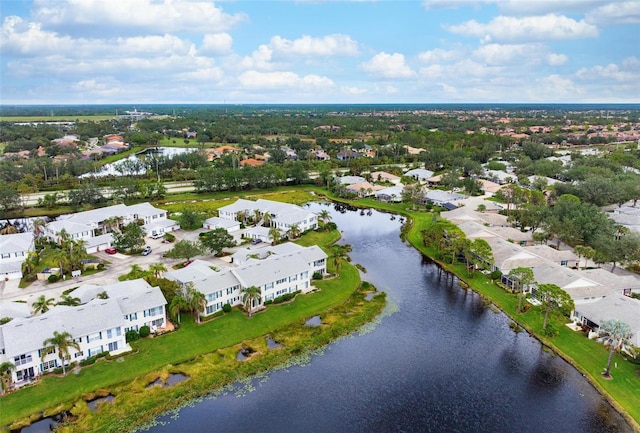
(216, 43)
(535, 28)
(518, 7)
(615, 14)
(282, 80)
(554, 59)
(353, 90)
(330, 45)
(24, 38)
(439, 55)
(628, 72)
(259, 59)
(388, 66)
(464, 69)
(135, 15)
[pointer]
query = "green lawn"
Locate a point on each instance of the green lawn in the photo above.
(179, 347)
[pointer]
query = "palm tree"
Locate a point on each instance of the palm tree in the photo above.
(157, 269)
(324, 216)
(196, 301)
(275, 234)
(177, 305)
(267, 219)
(616, 334)
(69, 300)
(250, 295)
(42, 304)
(61, 257)
(525, 278)
(294, 231)
(5, 375)
(60, 342)
(338, 254)
(257, 215)
(38, 227)
(103, 295)
(241, 216)
(77, 253)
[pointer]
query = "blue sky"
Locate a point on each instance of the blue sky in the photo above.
(432, 51)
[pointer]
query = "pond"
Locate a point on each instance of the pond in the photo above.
(439, 360)
(138, 163)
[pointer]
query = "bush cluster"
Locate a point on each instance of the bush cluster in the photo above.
(144, 331)
(132, 335)
(226, 308)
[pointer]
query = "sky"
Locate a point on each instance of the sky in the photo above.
(319, 52)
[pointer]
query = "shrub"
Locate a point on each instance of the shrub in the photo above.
(226, 308)
(269, 302)
(145, 331)
(169, 237)
(53, 278)
(132, 335)
(89, 361)
(550, 331)
(100, 266)
(496, 275)
(331, 225)
(317, 276)
(57, 370)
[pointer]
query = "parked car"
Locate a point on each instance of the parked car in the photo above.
(110, 250)
(146, 251)
(256, 241)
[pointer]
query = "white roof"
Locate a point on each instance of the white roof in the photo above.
(442, 196)
(14, 309)
(614, 306)
(349, 180)
(221, 222)
(16, 242)
(24, 335)
(421, 173)
(197, 270)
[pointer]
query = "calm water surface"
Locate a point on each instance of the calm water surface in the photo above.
(443, 362)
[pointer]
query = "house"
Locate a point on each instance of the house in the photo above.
(251, 162)
(14, 250)
(283, 215)
(391, 194)
(344, 155)
(439, 197)
(627, 216)
(98, 325)
(383, 176)
(500, 177)
(363, 189)
(91, 225)
(349, 180)
(280, 270)
(614, 306)
(197, 270)
(419, 174)
(489, 188)
(221, 223)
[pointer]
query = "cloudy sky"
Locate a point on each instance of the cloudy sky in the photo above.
(190, 51)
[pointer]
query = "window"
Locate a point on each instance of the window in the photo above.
(113, 346)
(48, 365)
(268, 286)
(281, 281)
(22, 359)
(95, 350)
(153, 311)
(133, 316)
(94, 337)
(77, 354)
(563, 263)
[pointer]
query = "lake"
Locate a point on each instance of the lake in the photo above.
(439, 360)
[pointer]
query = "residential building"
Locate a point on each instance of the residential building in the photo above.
(98, 325)
(276, 270)
(14, 250)
(221, 223)
(283, 215)
(419, 174)
(90, 225)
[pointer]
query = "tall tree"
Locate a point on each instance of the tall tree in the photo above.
(524, 278)
(616, 334)
(216, 240)
(275, 234)
(184, 249)
(5, 375)
(553, 298)
(42, 304)
(196, 301)
(293, 232)
(157, 269)
(250, 295)
(324, 216)
(60, 342)
(178, 304)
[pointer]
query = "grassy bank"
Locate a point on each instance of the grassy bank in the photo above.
(55, 393)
